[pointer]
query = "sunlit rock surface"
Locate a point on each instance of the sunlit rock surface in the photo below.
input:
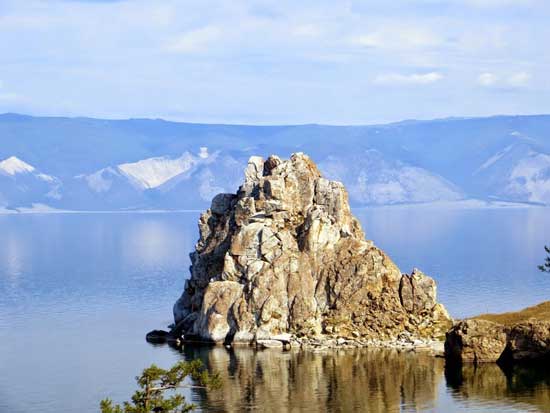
(475, 341)
(285, 255)
(478, 341)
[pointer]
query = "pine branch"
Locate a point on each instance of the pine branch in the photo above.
(154, 381)
(171, 387)
(546, 266)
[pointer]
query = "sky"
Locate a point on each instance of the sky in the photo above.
(275, 62)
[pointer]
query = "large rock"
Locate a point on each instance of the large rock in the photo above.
(477, 340)
(285, 255)
(528, 341)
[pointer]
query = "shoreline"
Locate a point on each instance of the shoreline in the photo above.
(288, 342)
(466, 204)
(404, 342)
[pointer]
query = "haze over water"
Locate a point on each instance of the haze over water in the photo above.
(79, 292)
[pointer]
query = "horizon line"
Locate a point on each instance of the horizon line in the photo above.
(375, 124)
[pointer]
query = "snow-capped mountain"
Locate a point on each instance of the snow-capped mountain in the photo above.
(373, 179)
(153, 172)
(22, 184)
(196, 188)
(519, 173)
(13, 166)
(91, 164)
(187, 181)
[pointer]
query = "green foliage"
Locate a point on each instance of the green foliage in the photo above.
(546, 266)
(153, 384)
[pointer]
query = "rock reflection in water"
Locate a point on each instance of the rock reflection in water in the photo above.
(525, 387)
(364, 381)
(360, 380)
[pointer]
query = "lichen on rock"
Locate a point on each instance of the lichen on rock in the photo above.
(285, 255)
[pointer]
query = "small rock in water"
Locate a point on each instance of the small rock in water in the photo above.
(269, 344)
(157, 336)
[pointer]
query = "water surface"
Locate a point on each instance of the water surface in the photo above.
(78, 293)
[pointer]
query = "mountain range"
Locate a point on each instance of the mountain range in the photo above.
(135, 164)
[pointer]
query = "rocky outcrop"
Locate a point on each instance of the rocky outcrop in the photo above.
(480, 341)
(285, 255)
(475, 341)
(528, 341)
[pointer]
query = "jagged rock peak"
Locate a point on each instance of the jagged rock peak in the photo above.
(285, 255)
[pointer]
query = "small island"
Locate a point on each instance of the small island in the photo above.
(284, 264)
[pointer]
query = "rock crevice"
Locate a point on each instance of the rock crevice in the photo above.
(285, 255)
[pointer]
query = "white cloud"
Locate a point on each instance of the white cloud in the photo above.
(195, 40)
(399, 38)
(516, 80)
(413, 79)
(520, 79)
(487, 79)
(293, 52)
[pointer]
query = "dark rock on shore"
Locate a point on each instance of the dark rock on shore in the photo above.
(528, 341)
(157, 336)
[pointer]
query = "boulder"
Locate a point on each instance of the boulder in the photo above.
(528, 341)
(478, 340)
(475, 341)
(157, 336)
(285, 255)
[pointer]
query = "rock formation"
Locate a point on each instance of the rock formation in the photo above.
(475, 341)
(285, 256)
(480, 341)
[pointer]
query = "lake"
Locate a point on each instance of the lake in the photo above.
(78, 293)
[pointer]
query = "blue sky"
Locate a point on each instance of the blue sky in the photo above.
(275, 62)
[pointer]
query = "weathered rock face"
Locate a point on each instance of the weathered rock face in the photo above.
(285, 255)
(475, 341)
(485, 341)
(528, 341)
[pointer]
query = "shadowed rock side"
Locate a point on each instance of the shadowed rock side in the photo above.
(285, 255)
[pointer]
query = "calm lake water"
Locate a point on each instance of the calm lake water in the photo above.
(78, 292)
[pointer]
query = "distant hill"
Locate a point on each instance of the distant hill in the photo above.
(95, 164)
